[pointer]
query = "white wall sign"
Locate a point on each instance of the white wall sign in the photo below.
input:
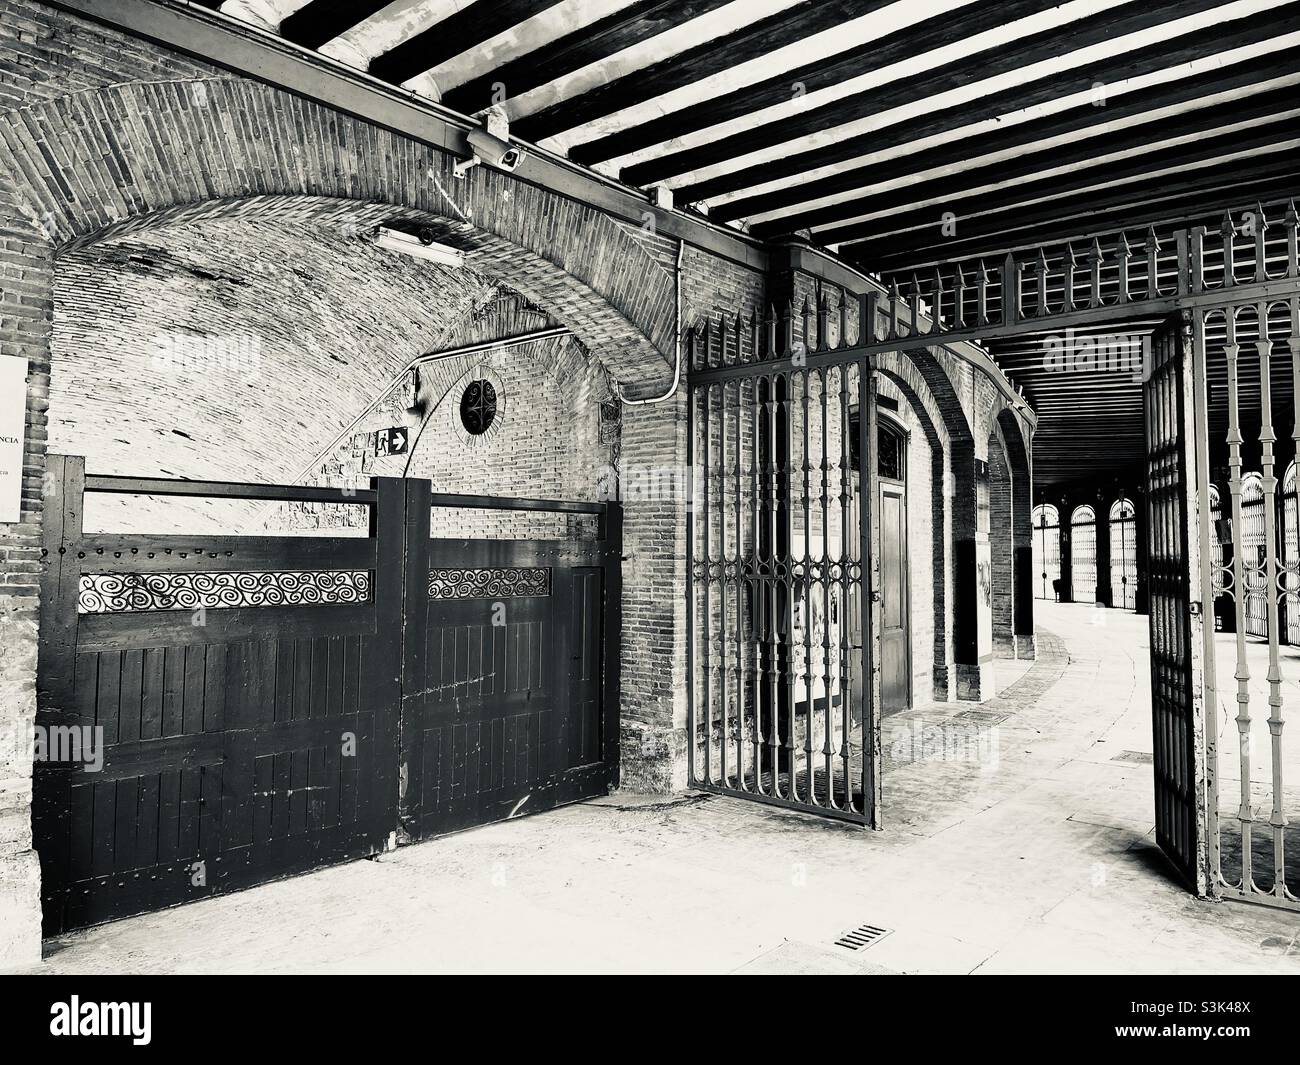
(13, 417)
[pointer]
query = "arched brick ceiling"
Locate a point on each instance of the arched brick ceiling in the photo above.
(235, 349)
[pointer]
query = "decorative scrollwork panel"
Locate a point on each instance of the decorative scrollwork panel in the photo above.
(507, 582)
(118, 593)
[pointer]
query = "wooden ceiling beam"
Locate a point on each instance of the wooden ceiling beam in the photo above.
(457, 33)
(590, 44)
(935, 32)
(1185, 165)
(1174, 52)
(978, 66)
(320, 21)
(753, 42)
(1201, 122)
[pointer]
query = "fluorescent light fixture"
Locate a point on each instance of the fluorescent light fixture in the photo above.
(420, 246)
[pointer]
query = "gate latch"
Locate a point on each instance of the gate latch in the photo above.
(1194, 608)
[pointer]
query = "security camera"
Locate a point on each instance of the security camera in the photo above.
(490, 149)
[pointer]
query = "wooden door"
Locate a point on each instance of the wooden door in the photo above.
(895, 649)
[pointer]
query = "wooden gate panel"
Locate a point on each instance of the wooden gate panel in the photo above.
(505, 710)
(221, 679)
(248, 691)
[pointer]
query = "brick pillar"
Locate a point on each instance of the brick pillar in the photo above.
(1023, 644)
(653, 705)
(1001, 549)
(25, 313)
(973, 601)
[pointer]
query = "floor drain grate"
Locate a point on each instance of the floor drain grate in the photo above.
(862, 937)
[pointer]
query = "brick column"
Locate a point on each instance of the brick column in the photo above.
(653, 705)
(25, 313)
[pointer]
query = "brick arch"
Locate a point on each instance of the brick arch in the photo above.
(144, 154)
(911, 382)
(962, 506)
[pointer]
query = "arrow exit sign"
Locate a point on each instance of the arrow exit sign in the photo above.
(392, 441)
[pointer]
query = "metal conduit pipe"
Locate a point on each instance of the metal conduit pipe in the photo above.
(677, 345)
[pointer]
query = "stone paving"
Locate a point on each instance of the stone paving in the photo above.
(1018, 838)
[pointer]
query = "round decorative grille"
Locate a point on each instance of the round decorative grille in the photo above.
(478, 407)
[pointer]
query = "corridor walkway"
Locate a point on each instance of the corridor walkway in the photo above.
(1018, 838)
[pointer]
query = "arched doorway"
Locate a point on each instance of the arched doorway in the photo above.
(1123, 554)
(1046, 521)
(895, 606)
(1083, 555)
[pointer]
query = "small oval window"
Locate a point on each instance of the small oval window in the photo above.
(478, 407)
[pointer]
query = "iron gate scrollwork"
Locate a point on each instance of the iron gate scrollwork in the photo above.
(783, 680)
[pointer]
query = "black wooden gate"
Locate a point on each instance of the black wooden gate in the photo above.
(217, 711)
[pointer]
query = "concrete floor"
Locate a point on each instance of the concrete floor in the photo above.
(1018, 838)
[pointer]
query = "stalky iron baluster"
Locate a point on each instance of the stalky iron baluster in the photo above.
(805, 328)
(982, 294)
(1095, 257)
(785, 522)
(1245, 816)
(842, 592)
(1191, 261)
(1069, 266)
(757, 581)
(770, 331)
(1152, 248)
(1292, 240)
(1123, 249)
(1261, 238)
(706, 644)
(936, 292)
(743, 584)
(842, 340)
(724, 593)
(823, 323)
(1277, 818)
(1040, 269)
(805, 589)
(772, 505)
(914, 307)
(1011, 302)
(959, 298)
(1228, 231)
(893, 332)
(825, 508)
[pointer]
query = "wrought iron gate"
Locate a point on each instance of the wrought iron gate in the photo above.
(262, 705)
(1174, 600)
(783, 627)
(1254, 853)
